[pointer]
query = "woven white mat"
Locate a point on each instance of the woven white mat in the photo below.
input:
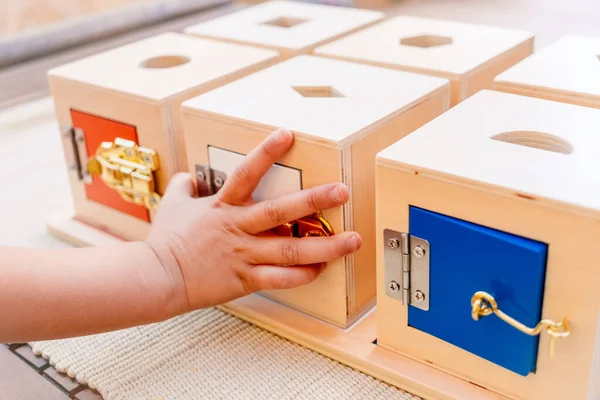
(207, 354)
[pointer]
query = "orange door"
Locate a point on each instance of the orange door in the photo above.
(97, 130)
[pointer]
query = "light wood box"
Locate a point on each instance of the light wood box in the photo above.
(137, 90)
(565, 71)
(469, 55)
(289, 27)
(350, 112)
(539, 182)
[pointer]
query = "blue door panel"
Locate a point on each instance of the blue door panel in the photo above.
(466, 258)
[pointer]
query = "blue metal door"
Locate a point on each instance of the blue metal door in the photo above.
(466, 258)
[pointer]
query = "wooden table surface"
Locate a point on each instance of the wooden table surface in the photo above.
(39, 190)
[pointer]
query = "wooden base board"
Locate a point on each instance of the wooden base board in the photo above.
(355, 346)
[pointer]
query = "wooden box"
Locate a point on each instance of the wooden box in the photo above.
(134, 93)
(496, 200)
(470, 56)
(342, 114)
(566, 71)
(289, 27)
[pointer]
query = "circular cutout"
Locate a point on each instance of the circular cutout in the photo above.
(537, 140)
(162, 62)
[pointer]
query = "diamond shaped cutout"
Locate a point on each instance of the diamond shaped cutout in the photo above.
(285, 22)
(318, 91)
(426, 41)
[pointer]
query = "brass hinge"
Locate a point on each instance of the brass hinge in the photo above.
(210, 181)
(128, 169)
(406, 261)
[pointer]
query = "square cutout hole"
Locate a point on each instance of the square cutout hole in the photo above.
(285, 22)
(318, 91)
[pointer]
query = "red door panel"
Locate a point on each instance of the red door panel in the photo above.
(97, 130)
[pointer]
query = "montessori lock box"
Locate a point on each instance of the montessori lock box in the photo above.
(288, 27)
(565, 71)
(469, 55)
(119, 113)
(341, 114)
(488, 220)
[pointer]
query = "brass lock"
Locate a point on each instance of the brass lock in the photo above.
(128, 169)
(312, 225)
(484, 304)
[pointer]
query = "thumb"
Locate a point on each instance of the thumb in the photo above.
(180, 186)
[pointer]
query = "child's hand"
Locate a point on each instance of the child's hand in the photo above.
(212, 248)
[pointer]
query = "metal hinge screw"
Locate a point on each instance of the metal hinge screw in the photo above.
(200, 175)
(419, 296)
(419, 252)
(394, 286)
(393, 243)
(219, 182)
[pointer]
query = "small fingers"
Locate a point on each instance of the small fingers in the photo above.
(271, 277)
(239, 187)
(179, 186)
(304, 251)
(272, 213)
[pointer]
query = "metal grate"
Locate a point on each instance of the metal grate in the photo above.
(70, 387)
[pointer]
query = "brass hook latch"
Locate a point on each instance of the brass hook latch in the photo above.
(128, 169)
(312, 225)
(483, 304)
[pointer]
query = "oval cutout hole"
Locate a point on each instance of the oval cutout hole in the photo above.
(164, 62)
(536, 140)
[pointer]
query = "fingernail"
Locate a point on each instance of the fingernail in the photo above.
(355, 241)
(283, 135)
(339, 193)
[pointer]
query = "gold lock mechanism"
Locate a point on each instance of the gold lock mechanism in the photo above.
(312, 225)
(484, 304)
(128, 169)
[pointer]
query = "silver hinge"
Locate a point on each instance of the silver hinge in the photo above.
(76, 152)
(209, 180)
(406, 261)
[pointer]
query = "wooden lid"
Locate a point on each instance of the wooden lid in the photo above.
(162, 66)
(570, 65)
(327, 99)
(518, 145)
(426, 45)
(281, 24)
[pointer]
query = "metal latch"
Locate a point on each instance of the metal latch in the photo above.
(312, 225)
(75, 149)
(406, 261)
(210, 181)
(128, 169)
